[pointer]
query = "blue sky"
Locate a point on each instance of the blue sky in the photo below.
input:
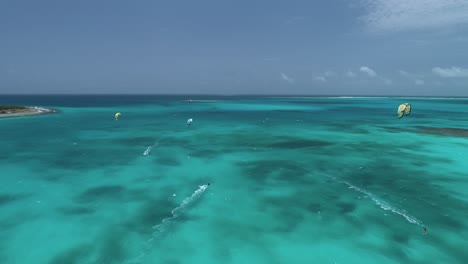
(333, 47)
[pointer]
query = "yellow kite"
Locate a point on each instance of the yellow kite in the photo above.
(117, 115)
(404, 109)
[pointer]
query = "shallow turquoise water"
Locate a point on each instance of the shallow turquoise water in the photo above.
(293, 180)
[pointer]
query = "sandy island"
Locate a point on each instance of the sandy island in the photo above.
(15, 111)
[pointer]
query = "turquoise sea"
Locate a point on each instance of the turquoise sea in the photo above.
(293, 180)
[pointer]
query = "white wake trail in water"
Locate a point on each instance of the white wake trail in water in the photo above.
(149, 148)
(382, 204)
(162, 226)
(175, 212)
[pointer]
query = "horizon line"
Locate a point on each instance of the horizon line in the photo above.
(233, 95)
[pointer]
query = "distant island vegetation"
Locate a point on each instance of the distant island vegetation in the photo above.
(15, 110)
(11, 107)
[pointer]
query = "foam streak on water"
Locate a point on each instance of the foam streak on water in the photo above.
(149, 148)
(382, 204)
(159, 228)
(185, 203)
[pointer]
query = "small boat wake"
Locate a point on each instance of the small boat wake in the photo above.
(163, 225)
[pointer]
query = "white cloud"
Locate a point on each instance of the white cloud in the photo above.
(410, 74)
(350, 74)
(368, 70)
(416, 78)
(287, 78)
(329, 73)
(320, 78)
(387, 81)
(404, 73)
(405, 15)
(454, 72)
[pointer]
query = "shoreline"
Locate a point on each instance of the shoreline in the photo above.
(28, 111)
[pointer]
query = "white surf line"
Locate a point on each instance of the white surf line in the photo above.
(161, 227)
(382, 204)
